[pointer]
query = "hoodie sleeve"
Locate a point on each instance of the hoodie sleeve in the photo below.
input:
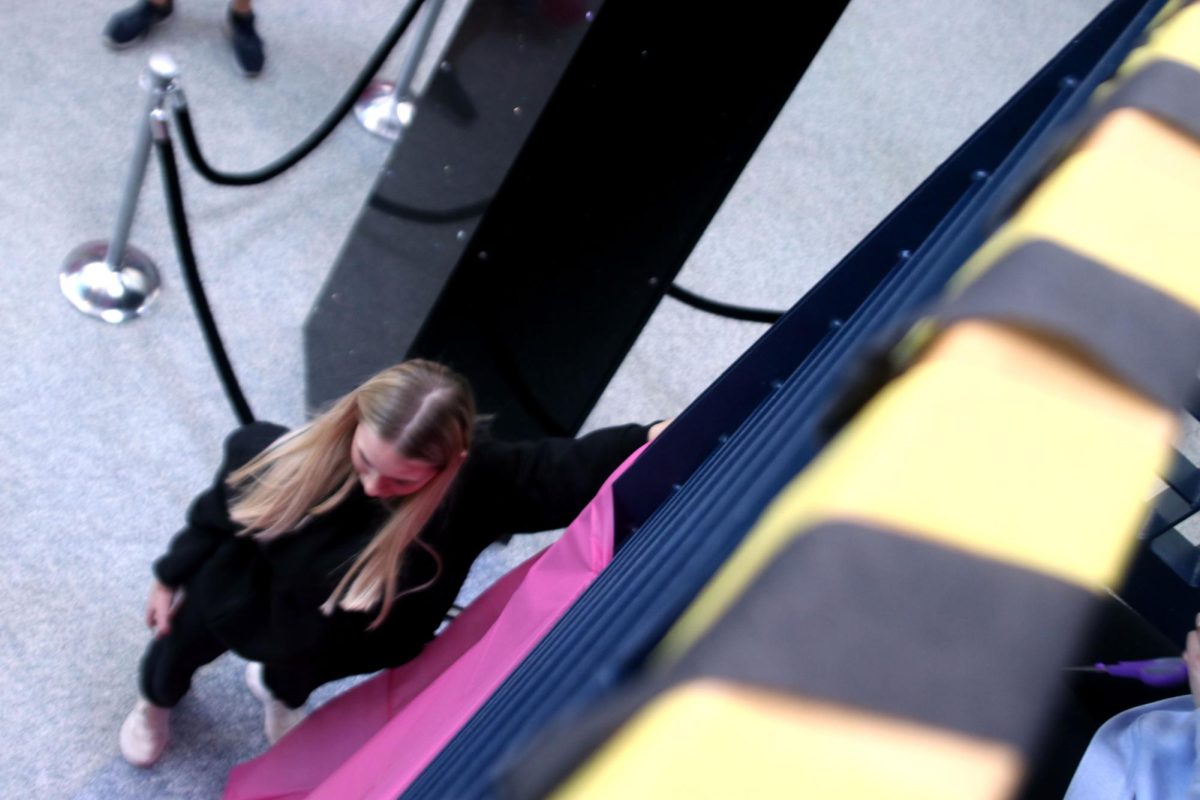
(207, 521)
(524, 487)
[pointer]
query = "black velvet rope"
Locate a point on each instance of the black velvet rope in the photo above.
(431, 216)
(191, 146)
(722, 309)
(187, 258)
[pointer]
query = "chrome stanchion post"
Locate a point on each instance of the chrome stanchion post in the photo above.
(386, 108)
(113, 280)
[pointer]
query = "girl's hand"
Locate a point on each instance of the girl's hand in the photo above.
(1191, 657)
(657, 428)
(163, 603)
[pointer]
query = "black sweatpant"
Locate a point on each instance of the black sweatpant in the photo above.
(171, 661)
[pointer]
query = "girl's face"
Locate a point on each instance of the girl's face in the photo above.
(383, 471)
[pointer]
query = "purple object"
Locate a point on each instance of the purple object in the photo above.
(1152, 672)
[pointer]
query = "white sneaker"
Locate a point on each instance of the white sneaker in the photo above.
(144, 733)
(278, 717)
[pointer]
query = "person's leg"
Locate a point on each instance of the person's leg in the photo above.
(247, 45)
(172, 660)
(127, 26)
(164, 678)
(283, 692)
(293, 684)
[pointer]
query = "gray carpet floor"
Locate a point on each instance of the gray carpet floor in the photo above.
(107, 431)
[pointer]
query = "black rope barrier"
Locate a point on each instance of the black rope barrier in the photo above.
(187, 258)
(191, 146)
(722, 309)
(432, 216)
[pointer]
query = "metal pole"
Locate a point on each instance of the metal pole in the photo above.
(113, 280)
(386, 108)
(433, 8)
(152, 81)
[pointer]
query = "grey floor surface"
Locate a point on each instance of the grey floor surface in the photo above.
(107, 431)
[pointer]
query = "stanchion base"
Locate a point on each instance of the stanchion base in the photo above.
(112, 295)
(380, 113)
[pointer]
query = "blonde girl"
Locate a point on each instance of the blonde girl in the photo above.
(337, 548)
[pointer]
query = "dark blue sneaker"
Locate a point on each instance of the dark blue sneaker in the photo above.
(247, 46)
(133, 23)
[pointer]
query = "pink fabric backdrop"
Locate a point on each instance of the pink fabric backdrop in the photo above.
(373, 740)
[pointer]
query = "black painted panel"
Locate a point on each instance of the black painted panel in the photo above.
(497, 73)
(656, 116)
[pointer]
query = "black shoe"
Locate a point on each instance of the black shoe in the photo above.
(133, 23)
(247, 47)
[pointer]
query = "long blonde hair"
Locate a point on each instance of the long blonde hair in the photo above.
(425, 410)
